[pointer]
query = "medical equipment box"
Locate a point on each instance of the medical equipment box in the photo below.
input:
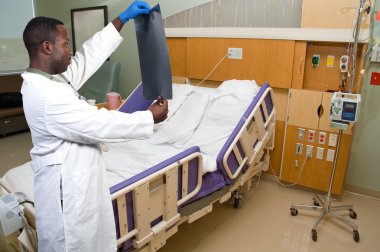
(345, 107)
(10, 219)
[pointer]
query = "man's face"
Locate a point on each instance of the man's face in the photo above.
(61, 53)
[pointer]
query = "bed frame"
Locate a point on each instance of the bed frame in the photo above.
(150, 206)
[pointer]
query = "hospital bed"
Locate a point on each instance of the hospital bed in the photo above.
(212, 144)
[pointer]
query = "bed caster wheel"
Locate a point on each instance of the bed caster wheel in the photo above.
(316, 202)
(293, 211)
(237, 199)
(237, 202)
(314, 235)
(356, 236)
(353, 214)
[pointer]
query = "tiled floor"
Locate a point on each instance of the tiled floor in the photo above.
(263, 223)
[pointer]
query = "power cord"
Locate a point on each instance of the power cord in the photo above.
(213, 69)
(257, 182)
(27, 201)
(299, 175)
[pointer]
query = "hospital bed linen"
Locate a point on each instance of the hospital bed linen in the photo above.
(201, 117)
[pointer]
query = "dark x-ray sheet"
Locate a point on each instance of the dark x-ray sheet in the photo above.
(154, 55)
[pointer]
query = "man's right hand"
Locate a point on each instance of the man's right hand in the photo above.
(159, 110)
(135, 9)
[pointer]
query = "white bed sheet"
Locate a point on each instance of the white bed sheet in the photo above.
(201, 117)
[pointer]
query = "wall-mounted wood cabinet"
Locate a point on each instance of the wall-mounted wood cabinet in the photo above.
(309, 113)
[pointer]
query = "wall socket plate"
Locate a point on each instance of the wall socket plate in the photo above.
(333, 139)
(330, 155)
(309, 151)
(319, 154)
(300, 134)
(235, 53)
(299, 148)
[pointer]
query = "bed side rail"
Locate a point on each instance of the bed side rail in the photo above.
(155, 200)
(135, 101)
(256, 135)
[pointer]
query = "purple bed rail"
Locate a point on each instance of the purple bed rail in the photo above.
(192, 183)
(135, 101)
(212, 182)
(231, 160)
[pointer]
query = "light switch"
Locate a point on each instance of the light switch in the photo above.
(300, 134)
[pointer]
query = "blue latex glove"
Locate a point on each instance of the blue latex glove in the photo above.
(135, 9)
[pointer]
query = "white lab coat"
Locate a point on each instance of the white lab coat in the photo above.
(66, 133)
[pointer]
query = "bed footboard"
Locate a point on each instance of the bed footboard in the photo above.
(146, 211)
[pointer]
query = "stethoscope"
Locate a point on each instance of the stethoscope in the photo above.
(80, 97)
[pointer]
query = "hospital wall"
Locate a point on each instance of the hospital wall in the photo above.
(127, 53)
(363, 170)
(364, 163)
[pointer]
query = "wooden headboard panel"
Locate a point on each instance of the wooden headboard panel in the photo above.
(263, 60)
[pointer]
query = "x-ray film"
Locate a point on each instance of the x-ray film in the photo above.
(154, 55)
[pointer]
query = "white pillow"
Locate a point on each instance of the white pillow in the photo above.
(240, 87)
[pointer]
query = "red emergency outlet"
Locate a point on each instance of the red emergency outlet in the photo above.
(375, 78)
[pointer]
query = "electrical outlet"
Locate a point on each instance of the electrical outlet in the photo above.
(322, 138)
(299, 148)
(319, 154)
(235, 53)
(309, 151)
(311, 136)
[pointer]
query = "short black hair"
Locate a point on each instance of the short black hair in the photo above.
(38, 30)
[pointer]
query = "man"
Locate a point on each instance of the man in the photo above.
(72, 198)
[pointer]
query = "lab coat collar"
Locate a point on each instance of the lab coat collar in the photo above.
(49, 76)
(36, 71)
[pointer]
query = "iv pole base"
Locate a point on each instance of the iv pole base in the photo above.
(326, 207)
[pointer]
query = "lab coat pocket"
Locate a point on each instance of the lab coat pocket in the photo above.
(87, 190)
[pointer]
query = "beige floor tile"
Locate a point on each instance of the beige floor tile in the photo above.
(264, 223)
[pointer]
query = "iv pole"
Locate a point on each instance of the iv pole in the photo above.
(355, 48)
